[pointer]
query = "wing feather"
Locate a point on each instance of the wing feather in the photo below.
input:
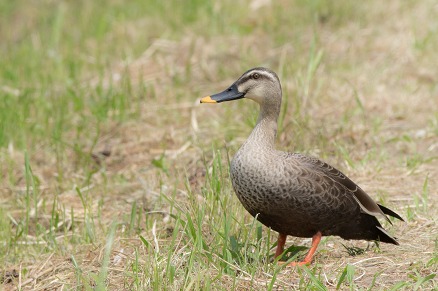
(367, 204)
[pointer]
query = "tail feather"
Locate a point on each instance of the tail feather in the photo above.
(383, 236)
(367, 227)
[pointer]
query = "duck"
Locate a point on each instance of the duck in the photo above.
(292, 193)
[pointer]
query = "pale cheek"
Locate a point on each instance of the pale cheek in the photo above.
(255, 94)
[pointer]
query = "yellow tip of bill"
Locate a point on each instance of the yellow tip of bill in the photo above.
(207, 100)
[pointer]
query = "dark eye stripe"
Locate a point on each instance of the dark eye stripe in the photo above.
(261, 75)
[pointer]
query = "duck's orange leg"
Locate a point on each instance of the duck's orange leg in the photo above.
(280, 244)
(308, 259)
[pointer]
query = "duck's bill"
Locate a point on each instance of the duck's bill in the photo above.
(231, 93)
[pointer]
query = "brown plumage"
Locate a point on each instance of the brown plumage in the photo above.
(289, 192)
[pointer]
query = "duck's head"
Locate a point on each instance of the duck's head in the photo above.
(259, 84)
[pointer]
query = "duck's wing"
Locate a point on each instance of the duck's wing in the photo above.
(367, 204)
(389, 212)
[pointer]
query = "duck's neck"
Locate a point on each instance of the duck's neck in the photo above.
(264, 133)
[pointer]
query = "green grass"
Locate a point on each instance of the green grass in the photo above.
(111, 177)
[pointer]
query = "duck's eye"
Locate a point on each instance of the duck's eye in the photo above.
(255, 76)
